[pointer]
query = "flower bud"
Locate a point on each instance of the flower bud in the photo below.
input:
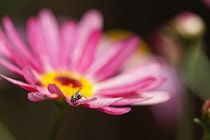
(206, 109)
(189, 25)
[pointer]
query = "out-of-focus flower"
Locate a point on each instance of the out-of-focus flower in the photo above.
(185, 50)
(171, 39)
(206, 2)
(189, 25)
(64, 63)
(205, 120)
(206, 109)
(166, 44)
(167, 113)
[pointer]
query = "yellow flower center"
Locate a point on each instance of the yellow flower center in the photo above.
(68, 82)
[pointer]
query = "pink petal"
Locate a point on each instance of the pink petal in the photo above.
(113, 59)
(68, 37)
(37, 44)
(37, 96)
(34, 39)
(46, 92)
(54, 89)
(81, 102)
(21, 84)
(154, 85)
(102, 102)
(157, 97)
(13, 55)
(49, 30)
(29, 76)
(11, 67)
(131, 75)
(91, 21)
(17, 42)
(14, 37)
(88, 100)
(89, 51)
(4, 50)
(128, 101)
(114, 110)
(128, 88)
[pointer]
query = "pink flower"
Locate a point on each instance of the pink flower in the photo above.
(169, 113)
(70, 63)
(206, 2)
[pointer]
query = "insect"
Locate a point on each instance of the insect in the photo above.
(76, 96)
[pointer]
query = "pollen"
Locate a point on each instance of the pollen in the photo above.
(68, 82)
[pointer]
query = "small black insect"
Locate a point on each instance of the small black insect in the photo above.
(76, 96)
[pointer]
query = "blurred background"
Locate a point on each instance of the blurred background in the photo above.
(31, 121)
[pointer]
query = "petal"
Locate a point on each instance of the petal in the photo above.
(14, 37)
(68, 37)
(29, 76)
(17, 42)
(131, 75)
(102, 102)
(21, 84)
(128, 101)
(91, 21)
(154, 85)
(11, 67)
(13, 55)
(157, 97)
(88, 100)
(4, 50)
(37, 44)
(37, 96)
(113, 59)
(89, 51)
(34, 39)
(54, 89)
(114, 110)
(128, 88)
(80, 102)
(49, 30)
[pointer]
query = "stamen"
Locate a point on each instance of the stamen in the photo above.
(66, 81)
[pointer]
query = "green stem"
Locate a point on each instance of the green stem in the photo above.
(185, 126)
(205, 126)
(5, 133)
(206, 135)
(59, 114)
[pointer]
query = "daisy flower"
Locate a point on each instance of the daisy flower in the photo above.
(71, 62)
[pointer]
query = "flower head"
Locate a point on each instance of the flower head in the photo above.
(206, 110)
(72, 63)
